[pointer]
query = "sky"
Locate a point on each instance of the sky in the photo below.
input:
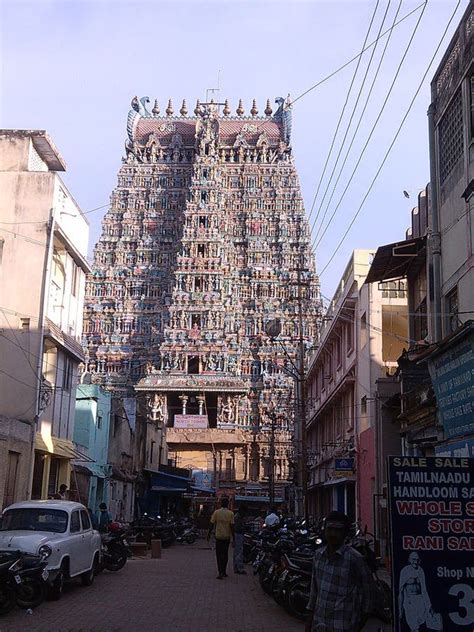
(72, 67)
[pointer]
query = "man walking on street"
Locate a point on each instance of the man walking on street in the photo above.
(223, 519)
(340, 598)
(239, 531)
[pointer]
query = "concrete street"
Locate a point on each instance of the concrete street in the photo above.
(178, 593)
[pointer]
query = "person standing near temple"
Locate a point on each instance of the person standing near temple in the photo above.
(223, 520)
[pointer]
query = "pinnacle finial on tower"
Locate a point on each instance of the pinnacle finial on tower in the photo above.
(268, 109)
(156, 108)
(254, 110)
(197, 109)
(184, 108)
(226, 110)
(169, 109)
(240, 108)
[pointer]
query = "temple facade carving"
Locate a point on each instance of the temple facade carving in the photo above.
(204, 243)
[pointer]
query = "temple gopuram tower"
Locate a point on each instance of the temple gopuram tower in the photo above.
(204, 244)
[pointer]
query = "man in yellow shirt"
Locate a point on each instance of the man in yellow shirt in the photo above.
(223, 519)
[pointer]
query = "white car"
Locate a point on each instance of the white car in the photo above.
(60, 531)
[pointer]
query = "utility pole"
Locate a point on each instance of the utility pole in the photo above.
(301, 453)
(271, 458)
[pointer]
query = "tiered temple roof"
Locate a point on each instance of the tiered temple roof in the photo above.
(204, 243)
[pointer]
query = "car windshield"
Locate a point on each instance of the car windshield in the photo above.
(34, 519)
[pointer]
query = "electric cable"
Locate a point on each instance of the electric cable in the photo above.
(374, 127)
(327, 77)
(45, 221)
(19, 345)
(361, 117)
(393, 141)
(341, 115)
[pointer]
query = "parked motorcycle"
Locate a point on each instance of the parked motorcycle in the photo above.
(22, 580)
(283, 559)
(186, 532)
(115, 550)
(149, 528)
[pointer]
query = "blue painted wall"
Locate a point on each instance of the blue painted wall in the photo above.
(91, 432)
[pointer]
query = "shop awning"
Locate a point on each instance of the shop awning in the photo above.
(164, 482)
(393, 261)
(339, 480)
(169, 490)
(62, 448)
(94, 469)
(258, 499)
(204, 490)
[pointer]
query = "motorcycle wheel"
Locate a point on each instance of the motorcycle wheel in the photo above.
(276, 591)
(7, 600)
(265, 580)
(115, 561)
(297, 598)
(31, 593)
(191, 539)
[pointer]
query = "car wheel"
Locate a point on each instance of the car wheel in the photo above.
(57, 588)
(87, 578)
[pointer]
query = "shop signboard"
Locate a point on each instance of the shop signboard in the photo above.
(191, 421)
(343, 467)
(461, 448)
(452, 374)
(431, 504)
(202, 478)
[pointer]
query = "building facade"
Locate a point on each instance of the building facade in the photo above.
(436, 372)
(43, 246)
(90, 476)
(363, 334)
(451, 363)
(204, 244)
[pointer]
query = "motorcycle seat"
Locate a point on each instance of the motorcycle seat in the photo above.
(300, 564)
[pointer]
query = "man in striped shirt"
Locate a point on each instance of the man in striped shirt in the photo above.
(340, 598)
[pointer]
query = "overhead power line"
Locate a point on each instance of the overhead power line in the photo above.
(382, 57)
(347, 63)
(341, 116)
(394, 139)
(374, 126)
(354, 109)
(45, 221)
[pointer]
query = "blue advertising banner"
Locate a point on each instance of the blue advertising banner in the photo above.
(464, 447)
(452, 374)
(431, 503)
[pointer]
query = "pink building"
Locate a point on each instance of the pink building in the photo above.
(363, 334)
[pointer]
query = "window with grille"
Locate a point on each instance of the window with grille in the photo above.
(451, 144)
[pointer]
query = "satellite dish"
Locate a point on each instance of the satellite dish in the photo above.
(273, 328)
